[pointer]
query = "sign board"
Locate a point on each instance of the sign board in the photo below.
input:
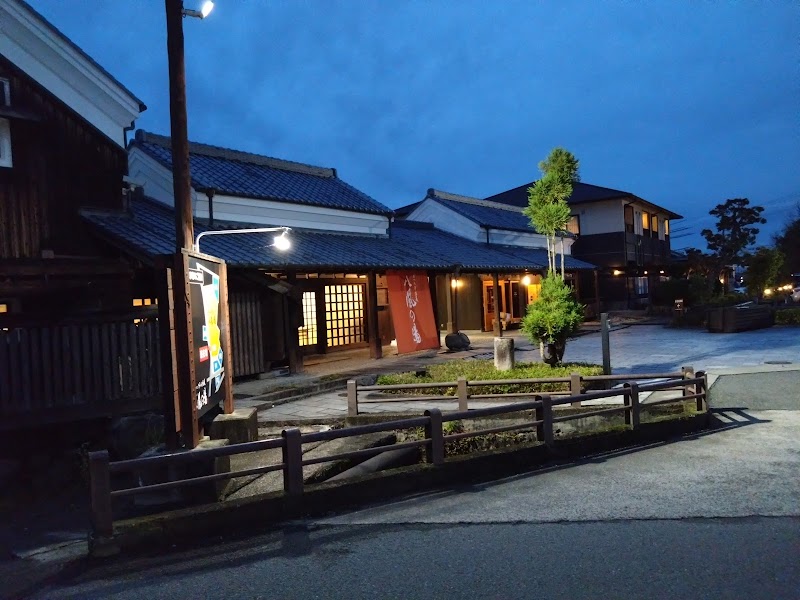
(209, 333)
(412, 311)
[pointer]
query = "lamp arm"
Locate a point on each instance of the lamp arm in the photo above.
(232, 231)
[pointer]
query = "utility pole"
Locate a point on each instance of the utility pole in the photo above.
(181, 178)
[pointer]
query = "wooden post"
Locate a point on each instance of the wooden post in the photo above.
(597, 292)
(631, 397)
(605, 344)
(463, 394)
(100, 494)
(547, 417)
(169, 369)
(184, 356)
(434, 451)
(702, 388)
(292, 318)
(688, 373)
(575, 387)
(449, 297)
(352, 398)
(375, 346)
(292, 462)
(498, 328)
(225, 325)
(434, 303)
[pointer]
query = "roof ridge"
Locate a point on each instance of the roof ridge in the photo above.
(230, 154)
(434, 194)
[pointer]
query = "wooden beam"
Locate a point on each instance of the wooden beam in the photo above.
(375, 346)
(597, 293)
(225, 325)
(434, 303)
(498, 329)
(449, 299)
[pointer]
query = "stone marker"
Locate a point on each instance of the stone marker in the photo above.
(503, 353)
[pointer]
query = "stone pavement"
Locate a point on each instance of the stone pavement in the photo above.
(635, 348)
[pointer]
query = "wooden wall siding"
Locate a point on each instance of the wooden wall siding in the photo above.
(80, 368)
(247, 333)
(60, 163)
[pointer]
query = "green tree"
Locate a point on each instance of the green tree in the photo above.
(763, 270)
(736, 230)
(547, 207)
(788, 242)
(553, 318)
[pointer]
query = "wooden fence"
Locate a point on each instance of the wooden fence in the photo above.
(292, 440)
(79, 367)
(575, 385)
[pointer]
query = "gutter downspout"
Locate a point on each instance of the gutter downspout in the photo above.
(210, 195)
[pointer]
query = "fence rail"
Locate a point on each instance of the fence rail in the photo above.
(78, 366)
(292, 440)
(576, 383)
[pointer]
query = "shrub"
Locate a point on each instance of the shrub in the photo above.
(476, 370)
(787, 316)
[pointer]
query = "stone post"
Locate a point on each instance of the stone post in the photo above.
(503, 353)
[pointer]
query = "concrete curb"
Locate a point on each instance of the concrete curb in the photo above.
(256, 513)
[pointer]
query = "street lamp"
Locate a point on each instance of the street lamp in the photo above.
(281, 242)
(204, 11)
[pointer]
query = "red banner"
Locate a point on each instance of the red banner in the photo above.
(412, 311)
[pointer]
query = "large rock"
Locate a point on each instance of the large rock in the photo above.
(456, 341)
(503, 353)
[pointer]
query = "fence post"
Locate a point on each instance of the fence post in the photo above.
(100, 492)
(605, 344)
(575, 380)
(547, 418)
(701, 387)
(631, 396)
(292, 461)
(688, 373)
(434, 451)
(352, 398)
(463, 394)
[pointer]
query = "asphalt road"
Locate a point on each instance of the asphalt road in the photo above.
(715, 515)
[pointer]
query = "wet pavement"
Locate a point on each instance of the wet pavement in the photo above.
(635, 348)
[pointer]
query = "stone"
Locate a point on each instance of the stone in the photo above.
(238, 427)
(503, 353)
(456, 341)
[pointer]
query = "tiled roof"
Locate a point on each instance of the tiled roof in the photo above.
(253, 176)
(491, 216)
(582, 193)
(147, 230)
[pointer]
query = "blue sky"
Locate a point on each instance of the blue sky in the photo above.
(685, 104)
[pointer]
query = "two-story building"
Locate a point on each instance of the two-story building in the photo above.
(628, 237)
(502, 226)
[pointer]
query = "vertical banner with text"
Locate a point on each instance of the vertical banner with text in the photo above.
(209, 357)
(412, 311)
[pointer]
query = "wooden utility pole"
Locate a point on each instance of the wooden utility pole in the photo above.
(181, 178)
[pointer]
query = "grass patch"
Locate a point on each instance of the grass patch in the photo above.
(477, 370)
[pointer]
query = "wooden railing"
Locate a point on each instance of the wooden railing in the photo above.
(78, 367)
(292, 440)
(461, 389)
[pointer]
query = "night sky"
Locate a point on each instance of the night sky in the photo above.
(684, 104)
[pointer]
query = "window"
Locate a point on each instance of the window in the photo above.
(144, 301)
(666, 229)
(629, 219)
(3, 308)
(641, 286)
(308, 332)
(5, 144)
(574, 225)
(645, 224)
(654, 225)
(5, 92)
(344, 314)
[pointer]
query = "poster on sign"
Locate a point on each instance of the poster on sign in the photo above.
(412, 311)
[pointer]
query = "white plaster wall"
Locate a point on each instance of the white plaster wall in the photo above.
(64, 72)
(157, 182)
(606, 216)
(518, 238)
(430, 211)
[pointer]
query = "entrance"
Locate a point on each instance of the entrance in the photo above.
(515, 295)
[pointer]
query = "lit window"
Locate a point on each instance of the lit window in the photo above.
(308, 332)
(645, 224)
(144, 301)
(3, 308)
(666, 228)
(654, 225)
(574, 225)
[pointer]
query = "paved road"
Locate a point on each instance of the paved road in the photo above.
(714, 515)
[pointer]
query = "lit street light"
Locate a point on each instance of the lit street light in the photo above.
(281, 242)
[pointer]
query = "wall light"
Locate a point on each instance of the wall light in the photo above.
(617, 272)
(661, 272)
(455, 283)
(645, 272)
(204, 11)
(526, 280)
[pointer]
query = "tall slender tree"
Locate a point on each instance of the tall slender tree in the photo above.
(547, 200)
